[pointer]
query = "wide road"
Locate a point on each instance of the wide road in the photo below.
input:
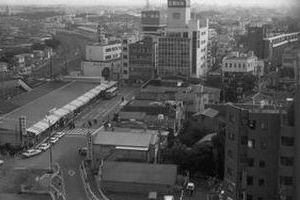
(65, 152)
(104, 108)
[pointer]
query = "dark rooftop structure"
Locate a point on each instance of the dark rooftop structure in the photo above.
(140, 173)
(124, 138)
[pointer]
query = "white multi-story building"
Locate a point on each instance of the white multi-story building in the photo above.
(242, 63)
(183, 50)
(100, 57)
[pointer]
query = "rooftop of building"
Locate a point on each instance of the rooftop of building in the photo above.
(140, 173)
(128, 138)
(37, 107)
(109, 42)
(240, 56)
(260, 108)
(132, 115)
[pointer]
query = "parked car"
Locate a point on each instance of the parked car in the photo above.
(53, 139)
(82, 151)
(59, 134)
(168, 197)
(31, 152)
(44, 146)
(1, 162)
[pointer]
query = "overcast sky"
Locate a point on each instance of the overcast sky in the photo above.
(142, 2)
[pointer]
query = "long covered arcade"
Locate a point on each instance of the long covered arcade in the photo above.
(51, 111)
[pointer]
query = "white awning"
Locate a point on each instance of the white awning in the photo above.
(70, 107)
(61, 112)
(43, 125)
(77, 103)
(53, 118)
(132, 148)
(89, 95)
(94, 91)
(34, 130)
(83, 99)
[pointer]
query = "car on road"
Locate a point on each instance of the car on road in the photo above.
(53, 139)
(1, 162)
(59, 134)
(83, 151)
(44, 146)
(31, 152)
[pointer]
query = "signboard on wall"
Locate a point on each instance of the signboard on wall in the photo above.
(177, 3)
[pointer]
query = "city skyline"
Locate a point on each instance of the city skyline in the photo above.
(267, 3)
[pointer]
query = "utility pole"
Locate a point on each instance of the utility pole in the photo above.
(50, 149)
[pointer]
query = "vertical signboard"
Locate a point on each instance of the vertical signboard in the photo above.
(22, 126)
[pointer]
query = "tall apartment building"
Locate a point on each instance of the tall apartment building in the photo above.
(262, 152)
(290, 62)
(126, 41)
(142, 60)
(183, 50)
(153, 23)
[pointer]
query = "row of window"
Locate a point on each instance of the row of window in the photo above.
(112, 49)
(251, 163)
(250, 181)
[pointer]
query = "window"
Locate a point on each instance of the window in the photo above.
(262, 164)
(251, 144)
(244, 140)
(287, 141)
(263, 145)
(185, 34)
(261, 182)
(229, 171)
(226, 65)
(229, 153)
(288, 198)
(176, 15)
(250, 162)
(231, 117)
(286, 161)
(125, 72)
(286, 180)
(250, 180)
(249, 197)
(252, 124)
(230, 65)
(125, 56)
(264, 126)
(231, 136)
(239, 65)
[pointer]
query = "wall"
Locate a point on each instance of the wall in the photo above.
(111, 186)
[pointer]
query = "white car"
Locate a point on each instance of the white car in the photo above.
(44, 146)
(53, 140)
(1, 162)
(31, 152)
(59, 134)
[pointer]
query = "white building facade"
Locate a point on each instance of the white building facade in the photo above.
(183, 50)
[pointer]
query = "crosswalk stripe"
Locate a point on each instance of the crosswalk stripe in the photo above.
(77, 131)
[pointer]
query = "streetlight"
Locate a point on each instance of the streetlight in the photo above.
(50, 149)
